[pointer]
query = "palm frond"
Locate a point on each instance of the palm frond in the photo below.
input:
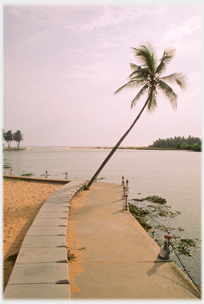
(169, 93)
(166, 58)
(140, 73)
(139, 94)
(173, 78)
(129, 85)
(134, 67)
(146, 56)
(148, 75)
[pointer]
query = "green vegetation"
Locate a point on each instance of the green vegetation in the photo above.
(27, 174)
(151, 218)
(86, 187)
(164, 228)
(18, 137)
(12, 258)
(148, 76)
(70, 256)
(82, 248)
(154, 199)
(139, 214)
(184, 246)
(9, 137)
(7, 166)
(11, 180)
(179, 143)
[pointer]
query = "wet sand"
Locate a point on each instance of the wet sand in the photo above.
(21, 203)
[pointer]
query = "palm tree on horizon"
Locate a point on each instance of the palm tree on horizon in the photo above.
(148, 75)
(18, 137)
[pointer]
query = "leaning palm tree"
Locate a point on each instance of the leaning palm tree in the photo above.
(149, 76)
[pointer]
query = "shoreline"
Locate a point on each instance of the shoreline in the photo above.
(12, 149)
(87, 148)
(71, 147)
(5, 149)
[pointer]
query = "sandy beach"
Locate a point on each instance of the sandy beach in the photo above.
(21, 203)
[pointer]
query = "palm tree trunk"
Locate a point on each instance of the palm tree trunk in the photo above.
(118, 144)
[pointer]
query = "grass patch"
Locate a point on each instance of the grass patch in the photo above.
(152, 199)
(82, 248)
(27, 174)
(70, 256)
(12, 258)
(7, 166)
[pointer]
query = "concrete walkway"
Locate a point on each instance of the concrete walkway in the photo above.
(115, 258)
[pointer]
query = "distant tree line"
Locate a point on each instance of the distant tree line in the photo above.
(179, 143)
(9, 137)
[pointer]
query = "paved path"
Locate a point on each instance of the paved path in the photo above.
(115, 257)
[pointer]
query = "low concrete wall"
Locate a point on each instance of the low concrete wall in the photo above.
(41, 268)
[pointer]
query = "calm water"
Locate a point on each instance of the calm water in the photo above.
(173, 175)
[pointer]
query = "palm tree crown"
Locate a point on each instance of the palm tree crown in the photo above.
(148, 75)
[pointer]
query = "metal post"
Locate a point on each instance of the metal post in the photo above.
(125, 203)
(124, 188)
(127, 184)
(123, 183)
(165, 251)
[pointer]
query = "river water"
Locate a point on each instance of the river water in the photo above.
(173, 175)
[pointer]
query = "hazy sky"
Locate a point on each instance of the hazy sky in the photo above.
(62, 65)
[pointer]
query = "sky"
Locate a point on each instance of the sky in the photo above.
(63, 62)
